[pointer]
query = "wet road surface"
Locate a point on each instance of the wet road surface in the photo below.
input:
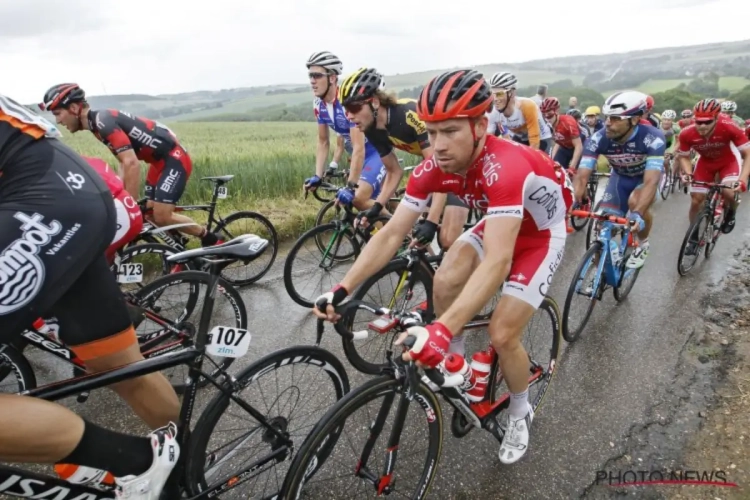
(625, 374)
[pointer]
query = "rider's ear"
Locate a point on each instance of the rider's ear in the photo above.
(480, 125)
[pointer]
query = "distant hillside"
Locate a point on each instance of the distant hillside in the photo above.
(649, 70)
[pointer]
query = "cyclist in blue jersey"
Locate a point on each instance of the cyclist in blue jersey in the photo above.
(636, 154)
(366, 170)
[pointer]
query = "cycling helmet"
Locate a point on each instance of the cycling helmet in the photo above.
(503, 80)
(575, 113)
(729, 106)
(360, 85)
(627, 103)
(326, 60)
(454, 94)
(593, 110)
(649, 103)
(669, 115)
(687, 113)
(549, 104)
(707, 109)
(62, 96)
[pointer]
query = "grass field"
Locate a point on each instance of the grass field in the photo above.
(730, 83)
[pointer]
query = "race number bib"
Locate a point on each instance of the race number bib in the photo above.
(228, 342)
(223, 192)
(130, 273)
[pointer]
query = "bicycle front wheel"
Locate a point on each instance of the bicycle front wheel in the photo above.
(694, 239)
(354, 467)
(246, 222)
(582, 286)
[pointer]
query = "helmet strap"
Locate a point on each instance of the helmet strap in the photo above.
(509, 95)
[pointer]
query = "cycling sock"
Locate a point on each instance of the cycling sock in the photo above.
(120, 454)
(209, 239)
(519, 404)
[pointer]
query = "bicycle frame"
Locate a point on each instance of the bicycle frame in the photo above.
(42, 486)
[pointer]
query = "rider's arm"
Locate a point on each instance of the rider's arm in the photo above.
(577, 152)
(119, 142)
(358, 154)
(530, 111)
(324, 147)
(591, 151)
(554, 150)
(131, 171)
(499, 241)
(393, 175)
(339, 151)
(682, 152)
(652, 174)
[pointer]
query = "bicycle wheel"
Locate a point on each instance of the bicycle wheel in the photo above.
(152, 258)
(309, 272)
(627, 277)
(16, 374)
(327, 213)
(292, 388)
(592, 231)
(695, 236)
(348, 471)
(665, 186)
(175, 298)
(389, 288)
(583, 278)
(579, 223)
(246, 222)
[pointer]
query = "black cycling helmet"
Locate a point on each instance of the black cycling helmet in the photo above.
(61, 96)
(360, 85)
(575, 113)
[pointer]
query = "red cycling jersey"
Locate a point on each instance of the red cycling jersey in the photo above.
(685, 122)
(716, 148)
(507, 180)
(114, 183)
(566, 130)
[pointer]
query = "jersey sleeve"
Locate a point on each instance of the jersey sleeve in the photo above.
(528, 108)
(656, 145)
(379, 138)
(505, 187)
(111, 133)
(316, 111)
(592, 148)
(418, 191)
(738, 137)
(683, 149)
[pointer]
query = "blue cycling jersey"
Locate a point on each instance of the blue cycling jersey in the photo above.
(339, 123)
(644, 150)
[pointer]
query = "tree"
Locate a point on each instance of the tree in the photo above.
(742, 98)
(676, 99)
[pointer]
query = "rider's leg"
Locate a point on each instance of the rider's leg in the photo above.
(701, 173)
(454, 218)
(729, 174)
(96, 325)
(638, 257)
(364, 196)
(370, 182)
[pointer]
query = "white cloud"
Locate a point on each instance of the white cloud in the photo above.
(166, 46)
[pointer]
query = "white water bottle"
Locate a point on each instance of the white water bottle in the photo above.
(614, 249)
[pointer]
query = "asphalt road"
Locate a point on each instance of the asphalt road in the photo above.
(625, 374)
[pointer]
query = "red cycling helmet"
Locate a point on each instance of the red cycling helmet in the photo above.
(707, 109)
(549, 104)
(649, 103)
(454, 94)
(62, 96)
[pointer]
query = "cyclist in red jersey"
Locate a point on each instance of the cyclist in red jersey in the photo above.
(132, 138)
(687, 119)
(712, 137)
(747, 128)
(522, 236)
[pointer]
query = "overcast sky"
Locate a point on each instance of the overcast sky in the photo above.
(168, 46)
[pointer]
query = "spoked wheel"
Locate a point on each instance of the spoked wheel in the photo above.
(697, 236)
(665, 186)
(592, 231)
(246, 222)
(581, 287)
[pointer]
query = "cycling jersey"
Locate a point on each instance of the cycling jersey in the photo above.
(670, 135)
(566, 129)
(685, 122)
(718, 147)
(526, 122)
(403, 129)
(334, 115)
(642, 151)
(495, 123)
(654, 119)
(738, 121)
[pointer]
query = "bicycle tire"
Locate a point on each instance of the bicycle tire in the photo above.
(665, 189)
(684, 270)
(590, 237)
(320, 216)
(306, 462)
(620, 292)
(569, 335)
(196, 279)
(131, 252)
(13, 361)
(313, 233)
(273, 246)
(580, 223)
(209, 418)
(351, 351)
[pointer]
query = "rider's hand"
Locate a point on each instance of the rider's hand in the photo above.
(424, 233)
(740, 186)
(686, 178)
(324, 307)
(363, 218)
(345, 195)
(312, 182)
(431, 345)
(636, 221)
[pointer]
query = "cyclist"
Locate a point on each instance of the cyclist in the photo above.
(57, 218)
(712, 137)
(747, 128)
(388, 122)
(729, 108)
(522, 237)
(687, 119)
(520, 115)
(366, 170)
(651, 118)
(636, 154)
(132, 138)
(671, 134)
(495, 124)
(567, 133)
(592, 120)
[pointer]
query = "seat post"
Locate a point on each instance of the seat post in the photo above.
(212, 205)
(214, 269)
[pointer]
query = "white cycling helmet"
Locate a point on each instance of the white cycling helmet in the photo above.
(326, 60)
(626, 103)
(503, 80)
(669, 114)
(729, 106)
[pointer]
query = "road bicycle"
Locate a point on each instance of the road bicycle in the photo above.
(669, 181)
(606, 261)
(354, 468)
(273, 435)
(589, 200)
(705, 230)
(333, 180)
(235, 224)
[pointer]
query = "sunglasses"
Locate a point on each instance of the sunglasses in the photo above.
(704, 122)
(316, 76)
(550, 115)
(500, 93)
(356, 107)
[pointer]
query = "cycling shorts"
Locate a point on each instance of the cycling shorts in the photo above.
(129, 223)
(452, 201)
(544, 144)
(373, 173)
(564, 156)
(617, 193)
(166, 179)
(52, 242)
(727, 172)
(535, 260)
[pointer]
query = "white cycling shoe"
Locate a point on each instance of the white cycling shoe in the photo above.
(638, 258)
(148, 486)
(516, 439)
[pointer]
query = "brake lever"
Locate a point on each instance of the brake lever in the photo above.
(412, 374)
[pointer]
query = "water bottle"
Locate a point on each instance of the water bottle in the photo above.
(614, 249)
(481, 362)
(79, 474)
(459, 372)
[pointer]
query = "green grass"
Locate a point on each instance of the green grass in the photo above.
(733, 83)
(730, 83)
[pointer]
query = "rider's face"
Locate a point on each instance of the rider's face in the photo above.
(68, 118)
(591, 120)
(360, 114)
(453, 142)
(501, 98)
(318, 76)
(666, 124)
(616, 126)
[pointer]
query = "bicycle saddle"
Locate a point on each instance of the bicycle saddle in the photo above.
(220, 178)
(245, 247)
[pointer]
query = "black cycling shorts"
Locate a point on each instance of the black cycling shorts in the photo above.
(166, 179)
(53, 234)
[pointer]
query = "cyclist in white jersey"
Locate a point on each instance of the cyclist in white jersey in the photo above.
(520, 115)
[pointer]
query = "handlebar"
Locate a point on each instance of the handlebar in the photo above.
(586, 214)
(717, 185)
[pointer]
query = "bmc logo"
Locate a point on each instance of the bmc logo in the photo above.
(144, 138)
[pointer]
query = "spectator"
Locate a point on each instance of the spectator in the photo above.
(541, 95)
(572, 103)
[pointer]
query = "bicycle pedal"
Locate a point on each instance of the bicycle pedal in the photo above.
(83, 397)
